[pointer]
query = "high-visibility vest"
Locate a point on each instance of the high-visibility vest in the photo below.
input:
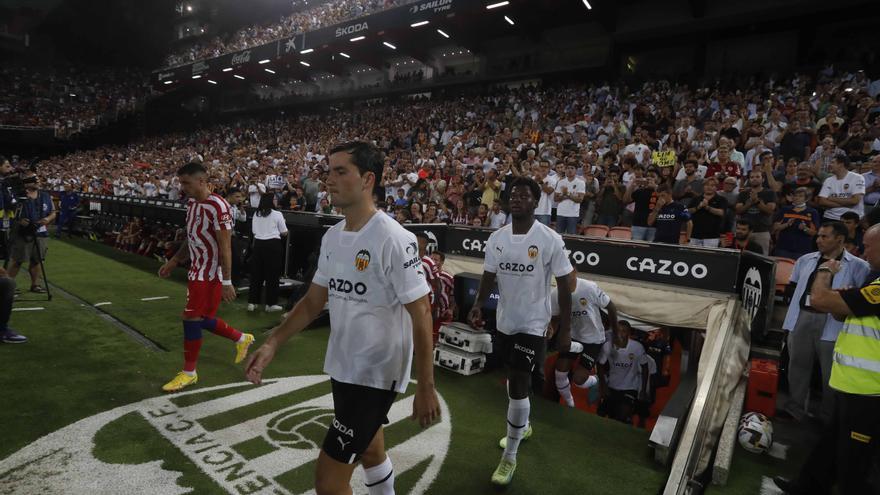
(856, 360)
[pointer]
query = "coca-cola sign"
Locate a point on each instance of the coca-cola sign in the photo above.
(241, 58)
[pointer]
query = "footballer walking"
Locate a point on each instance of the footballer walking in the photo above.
(380, 318)
(208, 246)
(521, 257)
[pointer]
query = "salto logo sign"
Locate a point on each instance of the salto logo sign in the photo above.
(243, 437)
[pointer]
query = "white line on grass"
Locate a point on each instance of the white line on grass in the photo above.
(153, 298)
(102, 304)
(29, 309)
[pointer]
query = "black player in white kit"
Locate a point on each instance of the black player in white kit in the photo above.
(521, 257)
(380, 318)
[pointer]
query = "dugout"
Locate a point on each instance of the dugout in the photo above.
(724, 294)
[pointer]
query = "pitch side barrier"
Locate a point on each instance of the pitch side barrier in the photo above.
(742, 285)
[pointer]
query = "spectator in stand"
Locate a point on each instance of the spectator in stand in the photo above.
(872, 185)
(268, 228)
(642, 192)
(490, 188)
(854, 233)
(821, 159)
(690, 187)
(795, 227)
(795, 142)
(610, 199)
(497, 217)
(707, 214)
(842, 191)
(724, 165)
(668, 217)
(569, 194)
(588, 205)
(741, 238)
(548, 182)
(757, 205)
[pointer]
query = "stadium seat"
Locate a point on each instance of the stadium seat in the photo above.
(595, 230)
(784, 267)
(620, 233)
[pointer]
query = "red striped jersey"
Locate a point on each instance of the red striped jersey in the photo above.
(447, 284)
(203, 219)
(431, 271)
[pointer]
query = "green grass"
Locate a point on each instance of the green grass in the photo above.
(77, 365)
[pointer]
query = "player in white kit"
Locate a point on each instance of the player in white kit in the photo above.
(522, 257)
(587, 302)
(380, 317)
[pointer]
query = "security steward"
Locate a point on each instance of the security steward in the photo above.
(846, 452)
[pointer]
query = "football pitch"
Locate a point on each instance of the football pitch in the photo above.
(83, 412)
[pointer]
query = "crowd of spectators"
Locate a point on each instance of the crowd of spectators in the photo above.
(69, 99)
(324, 14)
(755, 165)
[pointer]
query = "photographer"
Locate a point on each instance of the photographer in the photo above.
(29, 234)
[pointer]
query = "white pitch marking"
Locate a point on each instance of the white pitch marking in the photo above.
(102, 303)
(283, 460)
(768, 487)
(153, 298)
(40, 308)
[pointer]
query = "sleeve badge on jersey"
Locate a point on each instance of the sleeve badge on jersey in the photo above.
(583, 301)
(871, 293)
(362, 260)
(225, 217)
(533, 252)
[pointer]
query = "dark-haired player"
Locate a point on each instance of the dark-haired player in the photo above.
(369, 270)
(521, 257)
(208, 245)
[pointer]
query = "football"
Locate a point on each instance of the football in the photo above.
(755, 432)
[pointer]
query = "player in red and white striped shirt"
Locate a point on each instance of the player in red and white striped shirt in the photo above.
(209, 248)
(446, 309)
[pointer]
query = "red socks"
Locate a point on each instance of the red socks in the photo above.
(219, 327)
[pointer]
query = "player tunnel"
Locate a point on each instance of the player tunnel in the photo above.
(715, 299)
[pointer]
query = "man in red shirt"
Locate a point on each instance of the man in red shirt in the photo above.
(724, 165)
(208, 245)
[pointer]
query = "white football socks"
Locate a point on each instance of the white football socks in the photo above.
(517, 421)
(564, 387)
(380, 479)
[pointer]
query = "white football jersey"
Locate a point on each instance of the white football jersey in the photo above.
(625, 364)
(370, 275)
(587, 300)
(523, 265)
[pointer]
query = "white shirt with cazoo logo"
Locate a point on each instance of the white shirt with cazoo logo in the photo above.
(523, 265)
(370, 275)
(587, 301)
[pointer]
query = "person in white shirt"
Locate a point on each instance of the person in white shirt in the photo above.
(842, 191)
(255, 191)
(497, 217)
(522, 257)
(268, 228)
(587, 302)
(624, 378)
(570, 193)
(369, 271)
(547, 181)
